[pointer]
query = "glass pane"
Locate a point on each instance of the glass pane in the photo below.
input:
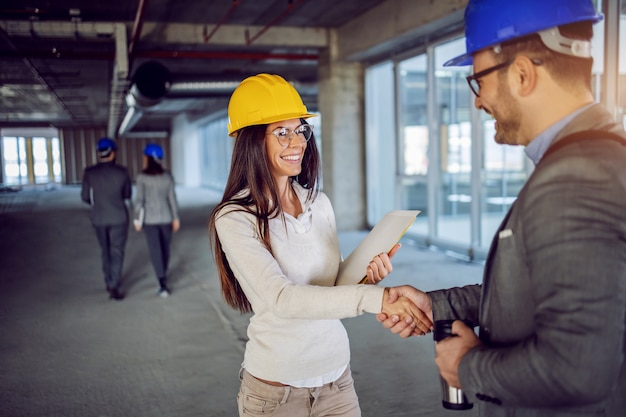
(597, 52)
(453, 103)
(56, 159)
(14, 161)
(622, 63)
(21, 144)
(413, 138)
(9, 149)
(503, 175)
(380, 142)
(40, 160)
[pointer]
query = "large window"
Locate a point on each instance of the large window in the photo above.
(452, 109)
(380, 141)
(31, 160)
(413, 137)
(621, 76)
(14, 164)
(447, 163)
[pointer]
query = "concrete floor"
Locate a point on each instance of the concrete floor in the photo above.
(66, 350)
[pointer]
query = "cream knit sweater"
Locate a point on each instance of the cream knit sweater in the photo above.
(295, 332)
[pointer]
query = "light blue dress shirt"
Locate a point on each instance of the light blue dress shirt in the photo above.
(538, 146)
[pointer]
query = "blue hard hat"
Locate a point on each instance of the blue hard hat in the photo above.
(106, 145)
(491, 22)
(153, 150)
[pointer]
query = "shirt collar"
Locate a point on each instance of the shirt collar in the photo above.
(538, 146)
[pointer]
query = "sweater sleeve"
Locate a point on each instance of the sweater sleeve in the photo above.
(139, 203)
(267, 287)
(171, 198)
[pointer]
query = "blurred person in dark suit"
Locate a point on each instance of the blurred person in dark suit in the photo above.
(107, 188)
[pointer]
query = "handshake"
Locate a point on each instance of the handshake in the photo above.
(406, 311)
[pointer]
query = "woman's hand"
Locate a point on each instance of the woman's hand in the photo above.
(412, 317)
(380, 266)
(176, 225)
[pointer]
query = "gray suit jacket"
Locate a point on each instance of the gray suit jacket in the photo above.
(155, 199)
(552, 306)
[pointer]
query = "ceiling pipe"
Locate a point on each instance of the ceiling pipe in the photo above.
(137, 26)
(290, 6)
(151, 82)
(43, 54)
(134, 113)
(130, 119)
(226, 55)
(200, 88)
(151, 85)
(221, 21)
(119, 83)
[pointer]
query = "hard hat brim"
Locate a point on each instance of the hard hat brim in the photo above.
(460, 61)
(233, 133)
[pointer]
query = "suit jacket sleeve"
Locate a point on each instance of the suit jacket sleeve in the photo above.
(572, 238)
(85, 191)
(456, 303)
(128, 187)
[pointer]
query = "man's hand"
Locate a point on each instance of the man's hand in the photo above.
(408, 310)
(450, 351)
(405, 326)
(380, 266)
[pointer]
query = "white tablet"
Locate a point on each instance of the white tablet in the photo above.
(381, 238)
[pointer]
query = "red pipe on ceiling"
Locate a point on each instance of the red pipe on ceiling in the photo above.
(227, 55)
(222, 20)
(290, 6)
(137, 27)
(84, 55)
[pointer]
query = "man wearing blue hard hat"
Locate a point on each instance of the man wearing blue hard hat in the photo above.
(551, 309)
(107, 188)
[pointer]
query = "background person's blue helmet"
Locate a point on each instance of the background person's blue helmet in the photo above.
(105, 146)
(492, 22)
(153, 150)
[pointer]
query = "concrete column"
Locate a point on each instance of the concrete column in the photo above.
(185, 148)
(341, 92)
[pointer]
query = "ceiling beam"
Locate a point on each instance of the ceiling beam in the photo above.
(404, 21)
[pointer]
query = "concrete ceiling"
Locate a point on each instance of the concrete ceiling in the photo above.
(73, 62)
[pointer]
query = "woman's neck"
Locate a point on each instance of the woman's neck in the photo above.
(289, 199)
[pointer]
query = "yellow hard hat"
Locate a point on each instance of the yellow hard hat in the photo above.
(264, 99)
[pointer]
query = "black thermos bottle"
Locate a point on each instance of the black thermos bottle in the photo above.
(451, 398)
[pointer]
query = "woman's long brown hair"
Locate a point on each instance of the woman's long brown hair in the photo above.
(250, 170)
(153, 167)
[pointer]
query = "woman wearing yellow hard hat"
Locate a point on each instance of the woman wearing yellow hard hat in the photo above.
(277, 253)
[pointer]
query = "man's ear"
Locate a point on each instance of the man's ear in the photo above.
(525, 73)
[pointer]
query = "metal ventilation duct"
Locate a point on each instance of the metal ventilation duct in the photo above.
(151, 85)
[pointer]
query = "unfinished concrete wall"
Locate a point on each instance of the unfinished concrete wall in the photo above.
(341, 104)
